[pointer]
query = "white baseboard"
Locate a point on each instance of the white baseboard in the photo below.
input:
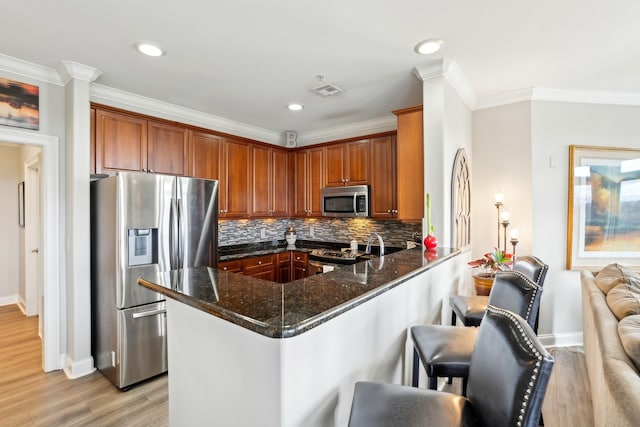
(562, 339)
(9, 300)
(78, 368)
(22, 305)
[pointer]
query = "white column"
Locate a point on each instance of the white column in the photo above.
(77, 79)
(447, 102)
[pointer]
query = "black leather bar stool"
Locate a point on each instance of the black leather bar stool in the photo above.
(508, 379)
(445, 351)
(470, 308)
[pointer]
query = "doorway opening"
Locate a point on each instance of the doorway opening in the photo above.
(49, 245)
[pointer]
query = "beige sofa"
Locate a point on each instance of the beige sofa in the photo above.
(614, 377)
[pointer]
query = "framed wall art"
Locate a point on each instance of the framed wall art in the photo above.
(19, 104)
(603, 224)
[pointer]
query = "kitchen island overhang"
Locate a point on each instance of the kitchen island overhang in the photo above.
(244, 351)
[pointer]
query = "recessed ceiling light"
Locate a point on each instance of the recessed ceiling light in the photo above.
(294, 107)
(150, 49)
(428, 47)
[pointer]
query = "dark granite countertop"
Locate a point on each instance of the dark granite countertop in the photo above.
(281, 310)
(234, 252)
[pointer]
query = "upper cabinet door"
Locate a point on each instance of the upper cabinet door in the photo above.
(335, 165)
(269, 180)
(261, 180)
(121, 142)
(167, 149)
(280, 181)
(314, 181)
(357, 163)
(236, 169)
(347, 164)
(299, 182)
(205, 160)
(410, 164)
(383, 177)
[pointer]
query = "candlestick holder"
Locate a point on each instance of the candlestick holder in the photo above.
(514, 241)
(498, 205)
(505, 224)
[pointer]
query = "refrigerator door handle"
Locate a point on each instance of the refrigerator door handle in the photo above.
(179, 241)
(149, 313)
(173, 234)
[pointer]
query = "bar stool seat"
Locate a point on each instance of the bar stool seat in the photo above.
(469, 309)
(447, 349)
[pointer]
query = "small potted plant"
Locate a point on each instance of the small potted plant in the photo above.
(490, 262)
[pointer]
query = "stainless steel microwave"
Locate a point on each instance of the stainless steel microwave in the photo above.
(350, 201)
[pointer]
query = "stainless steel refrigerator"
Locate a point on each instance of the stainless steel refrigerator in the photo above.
(141, 225)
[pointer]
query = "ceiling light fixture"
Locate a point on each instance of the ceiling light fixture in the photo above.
(150, 49)
(428, 47)
(295, 107)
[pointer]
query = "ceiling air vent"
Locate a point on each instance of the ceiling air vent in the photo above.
(327, 89)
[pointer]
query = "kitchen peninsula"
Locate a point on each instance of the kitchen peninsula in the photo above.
(245, 351)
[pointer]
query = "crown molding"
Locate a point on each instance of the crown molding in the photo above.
(450, 70)
(29, 70)
(132, 102)
(68, 70)
(381, 124)
(559, 95)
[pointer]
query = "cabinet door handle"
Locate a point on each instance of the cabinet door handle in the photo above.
(225, 268)
(259, 262)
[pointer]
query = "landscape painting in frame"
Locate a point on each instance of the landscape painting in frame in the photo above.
(19, 104)
(604, 207)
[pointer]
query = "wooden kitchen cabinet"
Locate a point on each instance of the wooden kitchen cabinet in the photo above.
(284, 267)
(300, 265)
(205, 160)
(126, 142)
(383, 177)
(269, 181)
(92, 140)
(235, 185)
(261, 267)
(167, 149)
(307, 177)
(234, 266)
(121, 142)
(410, 164)
(347, 164)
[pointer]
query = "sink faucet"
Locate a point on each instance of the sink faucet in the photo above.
(380, 242)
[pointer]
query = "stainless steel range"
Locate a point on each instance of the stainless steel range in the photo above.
(334, 256)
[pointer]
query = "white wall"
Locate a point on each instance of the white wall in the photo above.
(501, 162)
(555, 126)
(9, 229)
(533, 140)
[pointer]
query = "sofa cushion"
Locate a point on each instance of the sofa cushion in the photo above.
(629, 331)
(608, 277)
(624, 298)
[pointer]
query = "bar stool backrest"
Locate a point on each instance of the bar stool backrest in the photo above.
(515, 292)
(509, 371)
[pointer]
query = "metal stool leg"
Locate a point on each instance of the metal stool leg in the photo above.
(416, 369)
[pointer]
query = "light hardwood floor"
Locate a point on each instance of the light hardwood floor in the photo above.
(29, 397)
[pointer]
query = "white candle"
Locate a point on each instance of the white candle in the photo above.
(505, 216)
(514, 234)
(499, 197)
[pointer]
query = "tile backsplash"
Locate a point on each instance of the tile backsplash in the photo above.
(394, 233)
